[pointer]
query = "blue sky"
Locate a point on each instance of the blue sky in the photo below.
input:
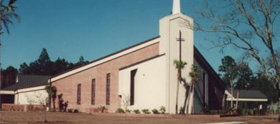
(92, 28)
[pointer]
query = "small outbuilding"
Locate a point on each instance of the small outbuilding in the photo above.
(246, 99)
(29, 89)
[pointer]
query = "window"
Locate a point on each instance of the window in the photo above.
(93, 92)
(108, 89)
(132, 86)
(79, 94)
(204, 93)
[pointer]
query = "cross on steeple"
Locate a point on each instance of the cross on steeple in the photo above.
(180, 39)
(176, 7)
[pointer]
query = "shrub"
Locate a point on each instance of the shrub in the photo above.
(155, 111)
(231, 111)
(245, 111)
(206, 110)
(182, 111)
(269, 111)
(136, 111)
(213, 111)
(102, 108)
(250, 112)
(146, 111)
(128, 111)
(70, 110)
(120, 110)
(162, 109)
(76, 111)
(219, 111)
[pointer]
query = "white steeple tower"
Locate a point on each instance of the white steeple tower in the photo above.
(169, 29)
(176, 7)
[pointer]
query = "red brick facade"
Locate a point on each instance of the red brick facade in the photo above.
(16, 107)
(68, 85)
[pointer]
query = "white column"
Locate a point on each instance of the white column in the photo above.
(176, 7)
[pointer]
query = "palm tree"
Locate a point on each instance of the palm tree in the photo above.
(179, 65)
(54, 97)
(7, 14)
(195, 77)
(51, 90)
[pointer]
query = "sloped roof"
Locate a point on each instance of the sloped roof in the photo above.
(27, 81)
(248, 94)
(204, 63)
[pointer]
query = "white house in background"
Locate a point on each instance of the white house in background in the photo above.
(145, 73)
(29, 89)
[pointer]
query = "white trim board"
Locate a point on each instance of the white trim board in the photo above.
(245, 99)
(7, 92)
(130, 50)
(248, 99)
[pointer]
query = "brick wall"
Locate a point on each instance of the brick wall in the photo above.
(15, 107)
(68, 86)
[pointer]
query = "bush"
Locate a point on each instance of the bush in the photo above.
(120, 110)
(136, 111)
(102, 108)
(128, 111)
(70, 110)
(76, 111)
(245, 111)
(269, 111)
(155, 111)
(213, 111)
(182, 111)
(162, 109)
(146, 111)
(206, 110)
(250, 112)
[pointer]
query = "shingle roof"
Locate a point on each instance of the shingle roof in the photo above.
(26, 81)
(248, 94)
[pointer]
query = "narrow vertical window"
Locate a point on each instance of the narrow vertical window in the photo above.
(204, 88)
(79, 94)
(93, 92)
(108, 89)
(132, 86)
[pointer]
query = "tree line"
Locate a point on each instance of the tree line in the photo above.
(42, 66)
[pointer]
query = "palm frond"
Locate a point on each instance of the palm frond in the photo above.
(195, 73)
(8, 15)
(179, 64)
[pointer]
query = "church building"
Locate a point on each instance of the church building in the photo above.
(145, 74)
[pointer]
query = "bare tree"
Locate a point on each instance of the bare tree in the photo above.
(248, 25)
(40, 98)
(36, 97)
(30, 99)
(126, 102)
